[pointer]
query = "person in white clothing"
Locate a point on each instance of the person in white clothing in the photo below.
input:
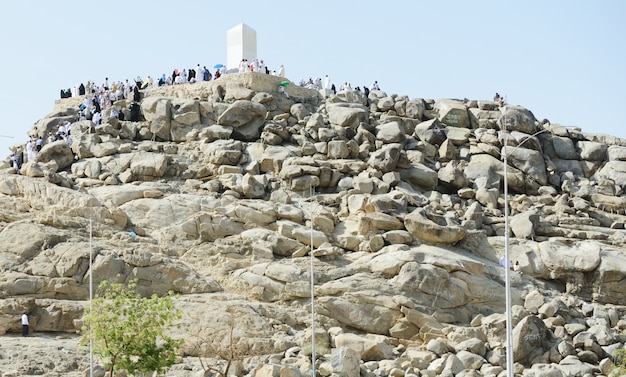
(126, 88)
(24, 324)
(281, 71)
(87, 103)
(281, 89)
(327, 82)
(97, 118)
(30, 150)
(374, 86)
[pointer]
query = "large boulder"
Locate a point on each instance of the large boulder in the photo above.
(185, 117)
(391, 132)
(246, 118)
(345, 362)
(57, 151)
(616, 153)
(452, 174)
(368, 348)
(609, 278)
(564, 148)
(431, 131)
(614, 171)
(430, 227)
(360, 311)
(564, 257)
(523, 224)
(347, 114)
(148, 166)
(83, 144)
(415, 108)
(485, 167)
(420, 176)
(223, 152)
(528, 338)
(452, 113)
(386, 158)
(278, 244)
(591, 150)
(25, 240)
(517, 118)
(157, 112)
(529, 161)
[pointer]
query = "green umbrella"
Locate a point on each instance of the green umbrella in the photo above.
(283, 83)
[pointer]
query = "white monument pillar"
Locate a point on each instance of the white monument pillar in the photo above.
(240, 44)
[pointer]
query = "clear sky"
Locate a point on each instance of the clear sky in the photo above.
(563, 60)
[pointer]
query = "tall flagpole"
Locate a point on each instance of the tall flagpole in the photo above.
(90, 290)
(312, 299)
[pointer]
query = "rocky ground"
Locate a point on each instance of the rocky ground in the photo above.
(223, 190)
(50, 354)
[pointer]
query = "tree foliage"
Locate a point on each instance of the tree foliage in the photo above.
(129, 331)
(619, 363)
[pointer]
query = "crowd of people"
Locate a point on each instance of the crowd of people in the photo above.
(34, 145)
(121, 90)
(99, 100)
(326, 84)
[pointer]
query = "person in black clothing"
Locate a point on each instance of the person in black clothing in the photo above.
(81, 89)
(136, 94)
(134, 112)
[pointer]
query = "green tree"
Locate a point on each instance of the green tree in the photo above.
(129, 331)
(619, 367)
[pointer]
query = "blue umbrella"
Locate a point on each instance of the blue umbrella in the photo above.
(218, 66)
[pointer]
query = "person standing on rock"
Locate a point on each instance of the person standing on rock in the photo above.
(326, 82)
(30, 149)
(281, 71)
(39, 144)
(16, 162)
(24, 324)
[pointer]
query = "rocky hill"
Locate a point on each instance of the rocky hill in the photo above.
(222, 189)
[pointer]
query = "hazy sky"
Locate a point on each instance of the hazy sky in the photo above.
(563, 60)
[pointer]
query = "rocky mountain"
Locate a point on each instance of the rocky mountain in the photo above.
(223, 189)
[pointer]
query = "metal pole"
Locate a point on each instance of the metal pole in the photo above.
(90, 291)
(312, 300)
(507, 273)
